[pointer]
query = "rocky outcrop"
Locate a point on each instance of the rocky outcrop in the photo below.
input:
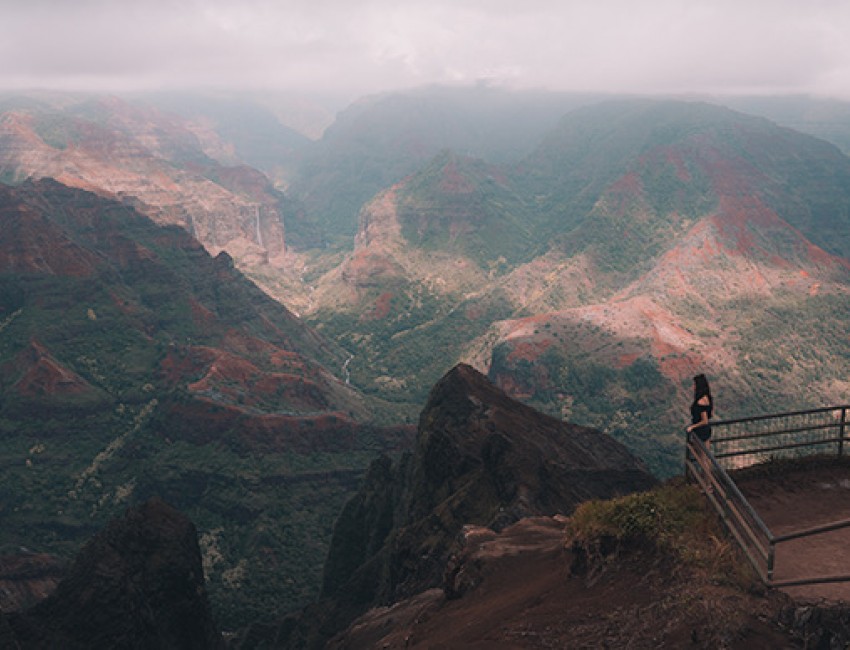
(514, 589)
(821, 625)
(26, 579)
(481, 459)
(138, 584)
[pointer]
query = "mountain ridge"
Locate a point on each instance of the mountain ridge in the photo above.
(134, 364)
(636, 208)
(480, 458)
(153, 162)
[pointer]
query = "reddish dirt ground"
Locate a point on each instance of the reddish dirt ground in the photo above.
(522, 595)
(798, 499)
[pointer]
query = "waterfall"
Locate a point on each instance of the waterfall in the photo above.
(259, 232)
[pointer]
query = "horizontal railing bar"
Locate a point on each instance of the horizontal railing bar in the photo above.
(756, 418)
(809, 581)
(764, 450)
(815, 530)
(745, 524)
(764, 434)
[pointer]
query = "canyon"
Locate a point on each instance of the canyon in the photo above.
(240, 326)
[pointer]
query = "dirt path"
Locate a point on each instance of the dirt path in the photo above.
(798, 499)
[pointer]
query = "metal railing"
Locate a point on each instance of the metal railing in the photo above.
(748, 441)
(740, 443)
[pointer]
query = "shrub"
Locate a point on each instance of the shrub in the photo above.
(673, 519)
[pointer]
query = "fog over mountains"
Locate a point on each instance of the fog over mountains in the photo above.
(348, 50)
(483, 223)
(234, 304)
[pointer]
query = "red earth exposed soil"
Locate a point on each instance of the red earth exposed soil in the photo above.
(139, 156)
(44, 376)
(522, 588)
(521, 593)
(32, 244)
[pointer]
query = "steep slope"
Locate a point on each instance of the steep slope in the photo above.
(751, 237)
(153, 161)
(480, 458)
(137, 584)
(133, 364)
(379, 140)
(827, 118)
(640, 242)
(154, 282)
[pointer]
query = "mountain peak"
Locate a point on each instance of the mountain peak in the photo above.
(481, 458)
(470, 425)
(139, 582)
(461, 391)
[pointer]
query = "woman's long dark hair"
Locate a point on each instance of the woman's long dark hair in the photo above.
(701, 388)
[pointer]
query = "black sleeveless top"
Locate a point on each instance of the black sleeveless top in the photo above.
(703, 432)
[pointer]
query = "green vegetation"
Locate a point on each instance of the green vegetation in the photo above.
(618, 184)
(95, 415)
(264, 521)
(460, 205)
(581, 385)
(57, 131)
(377, 142)
(674, 518)
(399, 357)
(806, 357)
(669, 517)
(621, 183)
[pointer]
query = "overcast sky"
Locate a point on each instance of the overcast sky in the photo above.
(714, 46)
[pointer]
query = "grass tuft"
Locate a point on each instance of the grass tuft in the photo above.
(674, 520)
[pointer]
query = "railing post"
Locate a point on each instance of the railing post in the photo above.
(841, 431)
(771, 556)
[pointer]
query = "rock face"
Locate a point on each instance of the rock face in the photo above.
(150, 160)
(138, 584)
(26, 579)
(481, 458)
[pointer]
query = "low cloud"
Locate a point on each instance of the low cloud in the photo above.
(363, 46)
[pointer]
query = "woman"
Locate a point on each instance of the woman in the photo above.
(701, 409)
